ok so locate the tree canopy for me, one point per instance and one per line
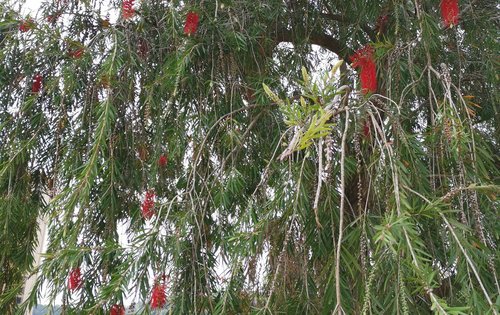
(216, 157)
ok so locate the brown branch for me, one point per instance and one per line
(342, 19)
(316, 38)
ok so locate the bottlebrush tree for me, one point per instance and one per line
(295, 184)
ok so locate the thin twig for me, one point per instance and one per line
(320, 180)
(338, 307)
(469, 260)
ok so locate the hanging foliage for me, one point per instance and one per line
(273, 157)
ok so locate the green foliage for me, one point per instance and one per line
(286, 191)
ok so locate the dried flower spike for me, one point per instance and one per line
(105, 23)
(381, 23)
(117, 310)
(142, 48)
(450, 12)
(191, 25)
(75, 279)
(147, 207)
(36, 85)
(364, 59)
(127, 9)
(158, 296)
(366, 129)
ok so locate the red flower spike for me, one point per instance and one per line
(191, 25)
(364, 59)
(36, 85)
(162, 161)
(76, 53)
(117, 310)
(368, 78)
(26, 25)
(381, 23)
(147, 207)
(75, 279)
(127, 9)
(158, 296)
(449, 12)
(53, 17)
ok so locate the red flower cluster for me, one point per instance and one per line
(191, 25)
(381, 23)
(53, 17)
(449, 12)
(76, 53)
(26, 25)
(162, 161)
(147, 208)
(117, 310)
(36, 85)
(158, 296)
(364, 59)
(127, 9)
(75, 279)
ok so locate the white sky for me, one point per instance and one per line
(31, 7)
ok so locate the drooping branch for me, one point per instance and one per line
(321, 39)
(342, 19)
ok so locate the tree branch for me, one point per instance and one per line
(342, 19)
(316, 38)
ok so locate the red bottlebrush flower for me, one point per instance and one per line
(76, 53)
(158, 296)
(36, 85)
(117, 310)
(191, 25)
(162, 161)
(449, 12)
(53, 17)
(368, 78)
(381, 23)
(147, 207)
(75, 279)
(127, 9)
(364, 59)
(26, 25)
